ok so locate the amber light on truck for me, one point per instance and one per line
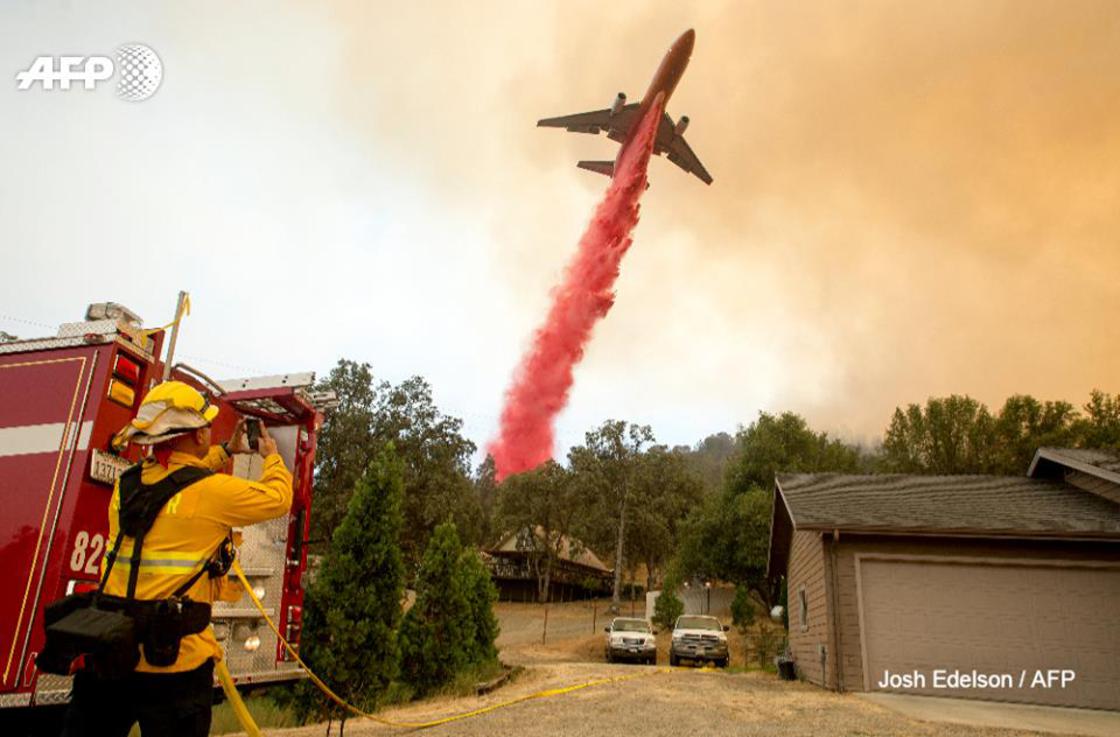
(121, 393)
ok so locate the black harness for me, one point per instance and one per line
(110, 630)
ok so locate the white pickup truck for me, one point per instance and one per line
(631, 639)
(699, 639)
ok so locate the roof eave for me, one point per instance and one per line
(778, 494)
(1056, 456)
(965, 533)
(1038, 456)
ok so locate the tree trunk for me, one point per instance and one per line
(616, 599)
(546, 589)
(535, 568)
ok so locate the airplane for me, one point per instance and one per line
(619, 120)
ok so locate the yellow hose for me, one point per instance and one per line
(405, 725)
(235, 701)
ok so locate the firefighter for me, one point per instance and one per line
(184, 539)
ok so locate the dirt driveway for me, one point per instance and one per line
(659, 702)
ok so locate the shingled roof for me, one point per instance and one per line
(973, 506)
(995, 505)
(570, 550)
(1103, 464)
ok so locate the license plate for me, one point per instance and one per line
(106, 467)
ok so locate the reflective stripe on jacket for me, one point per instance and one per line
(188, 530)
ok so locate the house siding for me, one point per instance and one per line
(807, 570)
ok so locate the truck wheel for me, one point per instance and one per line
(674, 660)
(723, 663)
(610, 658)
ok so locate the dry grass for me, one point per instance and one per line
(669, 703)
(266, 713)
(575, 634)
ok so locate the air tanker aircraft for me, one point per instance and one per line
(620, 119)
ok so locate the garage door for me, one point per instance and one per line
(922, 617)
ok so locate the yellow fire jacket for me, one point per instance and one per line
(186, 533)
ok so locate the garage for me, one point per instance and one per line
(1002, 588)
(920, 616)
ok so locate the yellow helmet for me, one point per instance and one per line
(168, 410)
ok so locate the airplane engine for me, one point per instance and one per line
(681, 125)
(619, 101)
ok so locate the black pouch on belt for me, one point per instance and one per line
(106, 629)
(92, 626)
(107, 637)
(166, 622)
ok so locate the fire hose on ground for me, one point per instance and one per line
(246, 719)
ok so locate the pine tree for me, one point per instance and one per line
(744, 612)
(353, 608)
(481, 595)
(668, 605)
(437, 635)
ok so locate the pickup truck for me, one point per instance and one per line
(699, 639)
(631, 639)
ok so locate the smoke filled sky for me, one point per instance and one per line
(910, 200)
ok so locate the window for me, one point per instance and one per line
(803, 609)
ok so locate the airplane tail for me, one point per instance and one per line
(599, 167)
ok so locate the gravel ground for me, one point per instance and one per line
(658, 702)
(681, 701)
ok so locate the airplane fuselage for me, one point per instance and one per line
(622, 120)
(665, 79)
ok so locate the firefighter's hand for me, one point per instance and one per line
(238, 443)
(266, 446)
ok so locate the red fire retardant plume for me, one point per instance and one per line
(544, 378)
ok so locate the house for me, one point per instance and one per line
(515, 561)
(965, 586)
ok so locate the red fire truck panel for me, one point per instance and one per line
(61, 401)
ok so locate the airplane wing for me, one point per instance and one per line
(599, 167)
(616, 126)
(680, 153)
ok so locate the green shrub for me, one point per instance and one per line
(481, 595)
(744, 611)
(437, 635)
(668, 606)
(352, 609)
(760, 635)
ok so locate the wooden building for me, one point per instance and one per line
(518, 558)
(983, 575)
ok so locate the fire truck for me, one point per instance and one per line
(61, 400)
